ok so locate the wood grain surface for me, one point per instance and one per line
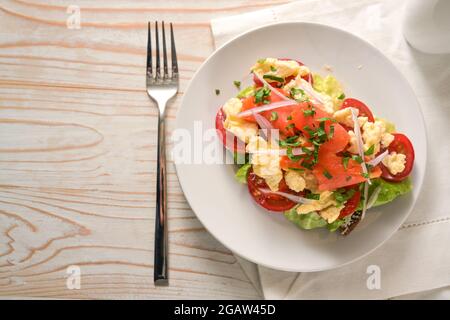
(78, 151)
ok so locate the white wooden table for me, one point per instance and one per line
(78, 150)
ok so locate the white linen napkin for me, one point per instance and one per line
(417, 257)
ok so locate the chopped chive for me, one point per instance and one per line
(307, 165)
(309, 130)
(357, 159)
(370, 151)
(217, 92)
(331, 133)
(309, 112)
(345, 162)
(313, 196)
(316, 154)
(291, 156)
(296, 169)
(237, 84)
(342, 96)
(290, 126)
(295, 91)
(285, 143)
(327, 175)
(273, 69)
(274, 116)
(307, 151)
(272, 77)
(261, 95)
(365, 175)
(327, 119)
(289, 117)
(291, 139)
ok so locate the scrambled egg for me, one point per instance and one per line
(331, 213)
(353, 143)
(325, 207)
(295, 181)
(242, 129)
(326, 200)
(395, 162)
(310, 180)
(279, 68)
(265, 161)
(386, 139)
(344, 116)
(362, 121)
(374, 133)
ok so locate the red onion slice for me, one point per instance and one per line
(266, 127)
(281, 152)
(266, 107)
(366, 191)
(262, 121)
(375, 161)
(292, 197)
(295, 152)
(373, 197)
(306, 86)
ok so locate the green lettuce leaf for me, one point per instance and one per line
(390, 127)
(389, 191)
(241, 174)
(335, 225)
(247, 92)
(305, 221)
(240, 159)
(311, 220)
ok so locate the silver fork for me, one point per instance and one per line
(161, 89)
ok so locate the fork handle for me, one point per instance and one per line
(160, 261)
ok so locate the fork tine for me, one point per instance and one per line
(158, 65)
(149, 51)
(174, 54)
(166, 72)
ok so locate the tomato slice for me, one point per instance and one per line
(364, 110)
(284, 121)
(269, 201)
(400, 144)
(229, 140)
(351, 204)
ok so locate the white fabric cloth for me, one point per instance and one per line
(416, 258)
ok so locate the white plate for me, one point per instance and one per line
(225, 207)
